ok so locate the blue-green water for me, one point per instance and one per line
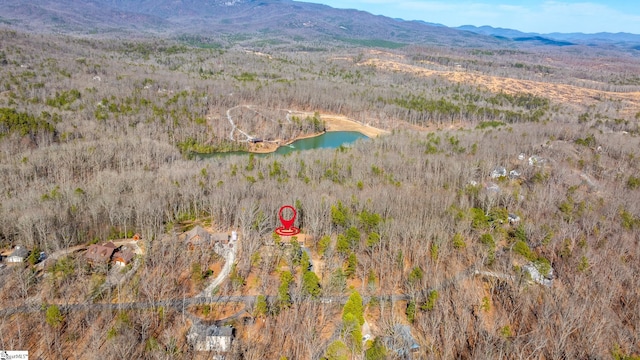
(328, 140)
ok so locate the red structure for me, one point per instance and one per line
(287, 228)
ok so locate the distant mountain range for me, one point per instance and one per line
(265, 18)
(559, 39)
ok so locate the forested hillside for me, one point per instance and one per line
(497, 161)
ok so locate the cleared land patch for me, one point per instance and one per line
(556, 92)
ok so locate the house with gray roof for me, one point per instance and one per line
(19, 254)
(401, 342)
(498, 172)
(210, 338)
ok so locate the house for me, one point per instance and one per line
(100, 254)
(19, 254)
(492, 188)
(536, 276)
(514, 174)
(401, 342)
(535, 160)
(222, 238)
(211, 338)
(123, 257)
(513, 218)
(197, 237)
(498, 172)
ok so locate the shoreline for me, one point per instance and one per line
(333, 123)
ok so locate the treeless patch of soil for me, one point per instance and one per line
(343, 123)
(252, 284)
(216, 267)
(563, 93)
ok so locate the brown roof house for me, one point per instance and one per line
(220, 238)
(100, 254)
(197, 237)
(123, 256)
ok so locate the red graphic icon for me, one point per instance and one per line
(287, 228)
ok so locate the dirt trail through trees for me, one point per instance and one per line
(229, 260)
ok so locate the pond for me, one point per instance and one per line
(328, 140)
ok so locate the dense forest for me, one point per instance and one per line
(497, 161)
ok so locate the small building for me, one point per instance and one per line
(100, 254)
(498, 172)
(123, 257)
(537, 276)
(535, 160)
(222, 238)
(492, 188)
(210, 338)
(513, 218)
(18, 255)
(197, 237)
(401, 342)
(514, 174)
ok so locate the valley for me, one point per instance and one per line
(492, 213)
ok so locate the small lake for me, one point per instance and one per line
(328, 140)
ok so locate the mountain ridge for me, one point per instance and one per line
(278, 18)
(576, 37)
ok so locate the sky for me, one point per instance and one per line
(566, 16)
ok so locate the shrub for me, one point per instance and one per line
(415, 275)
(377, 351)
(521, 247)
(53, 316)
(431, 300)
(458, 242)
(633, 182)
(489, 124)
(487, 239)
(411, 311)
(588, 141)
(479, 220)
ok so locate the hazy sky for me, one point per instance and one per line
(588, 16)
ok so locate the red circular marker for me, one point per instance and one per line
(287, 224)
(287, 228)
